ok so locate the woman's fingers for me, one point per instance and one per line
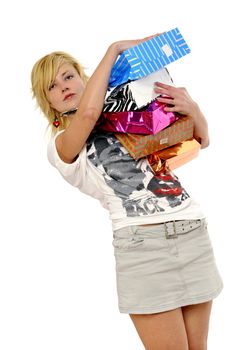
(164, 89)
(176, 99)
(169, 101)
(148, 37)
(162, 85)
(126, 44)
(152, 36)
(173, 109)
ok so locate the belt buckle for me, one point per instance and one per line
(173, 235)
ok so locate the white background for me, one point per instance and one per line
(57, 278)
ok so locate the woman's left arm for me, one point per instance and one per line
(180, 101)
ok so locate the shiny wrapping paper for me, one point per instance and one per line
(134, 95)
(174, 156)
(140, 146)
(149, 121)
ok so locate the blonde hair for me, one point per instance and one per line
(43, 73)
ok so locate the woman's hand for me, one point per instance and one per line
(178, 100)
(122, 45)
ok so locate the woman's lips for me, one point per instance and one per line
(68, 96)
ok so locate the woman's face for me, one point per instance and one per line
(65, 91)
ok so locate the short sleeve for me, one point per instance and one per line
(75, 172)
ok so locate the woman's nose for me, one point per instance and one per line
(64, 88)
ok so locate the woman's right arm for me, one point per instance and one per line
(70, 142)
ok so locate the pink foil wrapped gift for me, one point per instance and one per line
(149, 121)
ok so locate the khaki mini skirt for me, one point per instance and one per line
(164, 266)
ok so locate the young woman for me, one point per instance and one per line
(165, 265)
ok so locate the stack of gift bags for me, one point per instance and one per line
(131, 109)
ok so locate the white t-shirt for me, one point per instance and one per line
(127, 188)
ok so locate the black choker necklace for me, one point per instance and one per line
(67, 113)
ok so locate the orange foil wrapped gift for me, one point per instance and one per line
(175, 156)
(140, 146)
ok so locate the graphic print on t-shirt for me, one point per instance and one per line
(133, 181)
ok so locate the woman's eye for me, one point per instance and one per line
(52, 86)
(70, 76)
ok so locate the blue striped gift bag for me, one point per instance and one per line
(149, 56)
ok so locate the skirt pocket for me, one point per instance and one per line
(126, 239)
